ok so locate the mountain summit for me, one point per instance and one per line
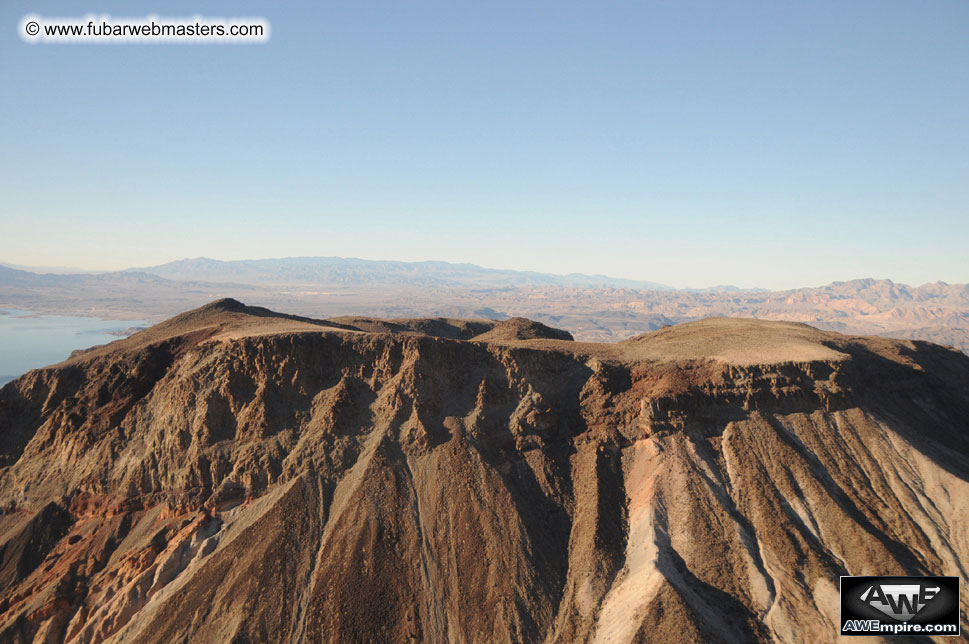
(240, 475)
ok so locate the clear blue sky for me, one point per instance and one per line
(764, 143)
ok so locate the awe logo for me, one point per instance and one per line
(901, 601)
(900, 606)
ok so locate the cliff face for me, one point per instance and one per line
(235, 475)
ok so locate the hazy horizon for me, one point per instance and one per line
(67, 270)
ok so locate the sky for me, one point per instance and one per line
(761, 144)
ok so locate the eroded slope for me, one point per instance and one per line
(237, 475)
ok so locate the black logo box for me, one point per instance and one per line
(942, 608)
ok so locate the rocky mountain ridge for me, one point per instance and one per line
(239, 475)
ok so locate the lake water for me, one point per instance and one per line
(28, 340)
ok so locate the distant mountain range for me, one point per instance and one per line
(591, 307)
(348, 270)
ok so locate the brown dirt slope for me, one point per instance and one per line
(238, 475)
(522, 329)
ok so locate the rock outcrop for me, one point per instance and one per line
(236, 475)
